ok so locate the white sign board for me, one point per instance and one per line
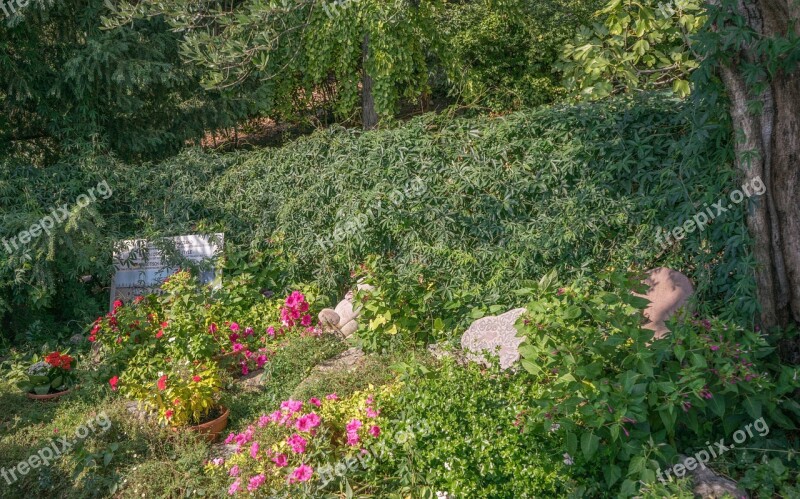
(142, 267)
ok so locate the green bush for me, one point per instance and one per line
(624, 403)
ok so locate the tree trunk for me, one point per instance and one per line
(369, 118)
(773, 134)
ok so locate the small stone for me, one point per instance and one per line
(329, 318)
(495, 334)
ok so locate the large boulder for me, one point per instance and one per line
(496, 335)
(668, 291)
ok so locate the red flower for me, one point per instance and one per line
(177, 402)
(168, 414)
(117, 304)
(92, 339)
(164, 324)
(160, 333)
(196, 379)
(162, 383)
(114, 382)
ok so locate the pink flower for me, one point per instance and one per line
(307, 422)
(375, 431)
(306, 321)
(218, 461)
(197, 379)
(248, 331)
(331, 396)
(212, 328)
(271, 331)
(245, 369)
(292, 405)
(714, 348)
(315, 401)
(301, 474)
(280, 460)
(297, 443)
(352, 438)
(260, 361)
(233, 337)
(254, 450)
(263, 421)
(234, 488)
(353, 425)
(234, 327)
(168, 414)
(256, 482)
(372, 413)
(234, 471)
(230, 438)
(238, 347)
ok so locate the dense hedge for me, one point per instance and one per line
(484, 204)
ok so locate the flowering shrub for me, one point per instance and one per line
(618, 397)
(52, 375)
(185, 395)
(294, 443)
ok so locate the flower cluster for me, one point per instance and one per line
(244, 344)
(294, 311)
(289, 444)
(59, 361)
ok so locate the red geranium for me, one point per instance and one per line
(162, 383)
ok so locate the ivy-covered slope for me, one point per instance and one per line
(478, 205)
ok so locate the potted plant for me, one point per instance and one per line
(50, 378)
(186, 397)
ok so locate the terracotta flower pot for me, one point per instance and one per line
(212, 429)
(49, 396)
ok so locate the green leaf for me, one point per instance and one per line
(589, 444)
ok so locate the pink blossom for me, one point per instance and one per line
(271, 331)
(372, 413)
(375, 431)
(353, 425)
(352, 438)
(263, 421)
(230, 438)
(714, 348)
(292, 405)
(302, 473)
(254, 450)
(234, 326)
(260, 361)
(256, 482)
(307, 422)
(280, 460)
(248, 331)
(234, 471)
(331, 396)
(238, 347)
(234, 488)
(306, 321)
(245, 369)
(218, 461)
(233, 337)
(297, 443)
(315, 401)
(212, 328)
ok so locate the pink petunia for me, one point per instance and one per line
(353, 425)
(234, 471)
(238, 347)
(308, 422)
(352, 438)
(260, 361)
(212, 328)
(254, 450)
(292, 405)
(331, 396)
(271, 331)
(306, 321)
(297, 443)
(280, 460)
(302, 473)
(315, 401)
(234, 488)
(234, 327)
(248, 331)
(256, 482)
(375, 431)
(372, 413)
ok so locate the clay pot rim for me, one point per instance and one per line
(49, 396)
(225, 413)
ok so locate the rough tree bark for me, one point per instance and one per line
(773, 133)
(369, 118)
